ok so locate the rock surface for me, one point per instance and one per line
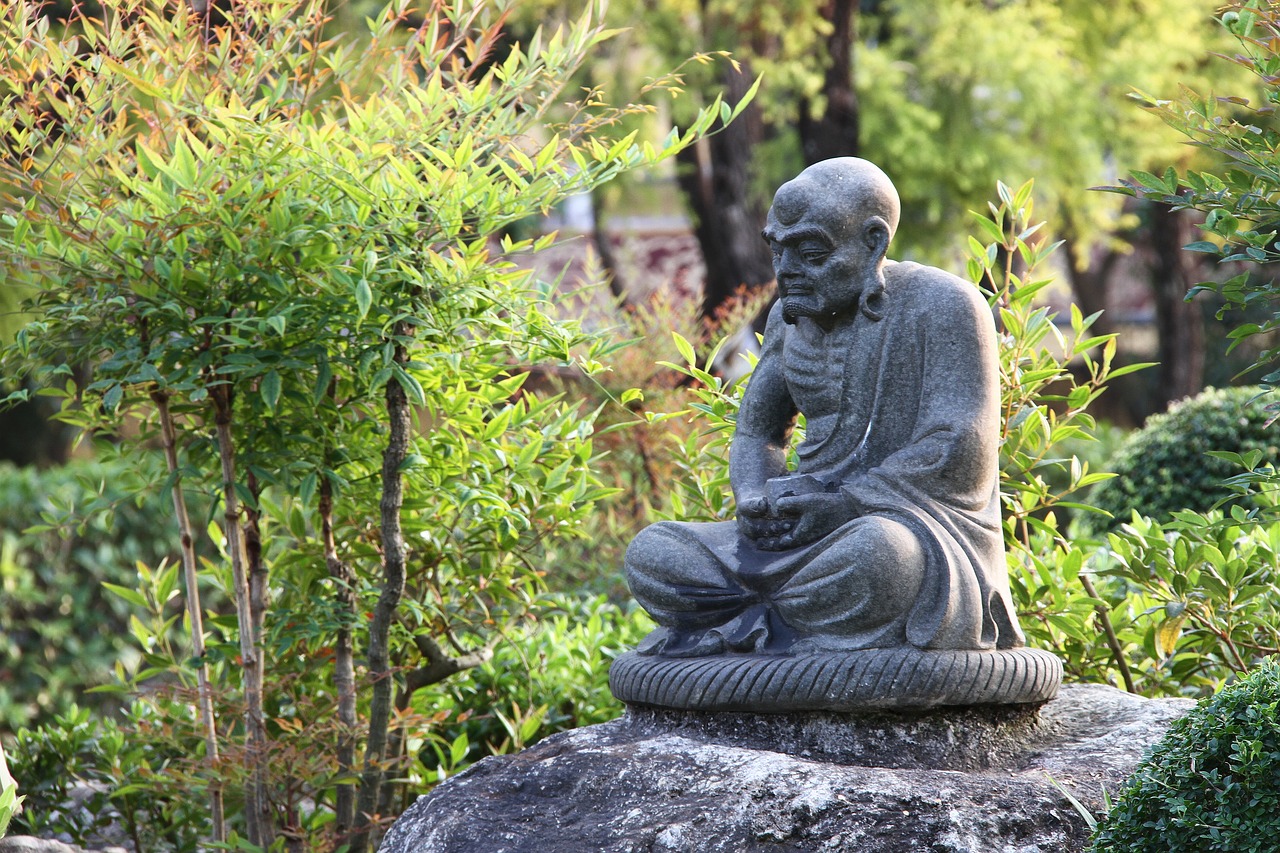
(31, 844)
(972, 780)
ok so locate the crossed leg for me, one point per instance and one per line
(711, 589)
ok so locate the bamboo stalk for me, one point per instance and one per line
(168, 439)
(258, 824)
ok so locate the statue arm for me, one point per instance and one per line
(765, 419)
(953, 450)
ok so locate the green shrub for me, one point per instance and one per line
(87, 777)
(550, 677)
(63, 533)
(1212, 783)
(1164, 467)
(95, 777)
(1199, 591)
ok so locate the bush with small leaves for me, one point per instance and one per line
(280, 250)
(65, 532)
(1212, 783)
(1165, 466)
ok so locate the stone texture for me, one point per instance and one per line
(974, 780)
(31, 844)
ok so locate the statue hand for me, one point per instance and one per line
(814, 516)
(752, 512)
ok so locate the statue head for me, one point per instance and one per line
(829, 229)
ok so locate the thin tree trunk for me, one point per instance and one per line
(715, 177)
(399, 422)
(344, 670)
(258, 824)
(1179, 323)
(604, 248)
(168, 439)
(1091, 279)
(835, 132)
(256, 572)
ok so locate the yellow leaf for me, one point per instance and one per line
(1167, 634)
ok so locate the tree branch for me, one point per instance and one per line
(440, 664)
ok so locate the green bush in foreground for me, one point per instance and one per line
(88, 775)
(1164, 467)
(1212, 783)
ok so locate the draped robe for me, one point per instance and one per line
(902, 418)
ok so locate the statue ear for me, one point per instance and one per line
(875, 234)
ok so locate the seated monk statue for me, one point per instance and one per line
(887, 533)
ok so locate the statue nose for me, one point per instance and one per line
(785, 266)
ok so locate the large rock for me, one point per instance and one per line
(976, 780)
(31, 844)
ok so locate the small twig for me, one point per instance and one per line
(1104, 619)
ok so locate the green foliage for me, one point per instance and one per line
(10, 803)
(84, 773)
(1206, 584)
(1169, 465)
(550, 675)
(1213, 781)
(646, 437)
(949, 120)
(1239, 198)
(63, 533)
(88, 778)
(275, 250)
(1044, 411)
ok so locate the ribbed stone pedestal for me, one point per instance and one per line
(837, 681)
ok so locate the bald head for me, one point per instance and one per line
(829, 230)
(842, 193)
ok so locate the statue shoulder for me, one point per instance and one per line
(936, 291)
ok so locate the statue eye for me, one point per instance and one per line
(814, 252)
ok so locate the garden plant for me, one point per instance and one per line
(1170, 465)
(278, 254)
(1210, 784)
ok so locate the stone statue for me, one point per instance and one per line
(882, 550)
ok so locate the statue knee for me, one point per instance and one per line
(895, 544)
(871, 577)
(665, 569)
(651, 549)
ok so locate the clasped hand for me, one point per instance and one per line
(793, 520)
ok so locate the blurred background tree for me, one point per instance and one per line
(949, 97)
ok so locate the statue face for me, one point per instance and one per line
(821, 256)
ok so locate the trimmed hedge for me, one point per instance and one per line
(1163, 467)
(1212, 783)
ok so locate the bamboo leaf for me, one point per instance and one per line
(364, 298)
(270, 390)
(130, 595)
